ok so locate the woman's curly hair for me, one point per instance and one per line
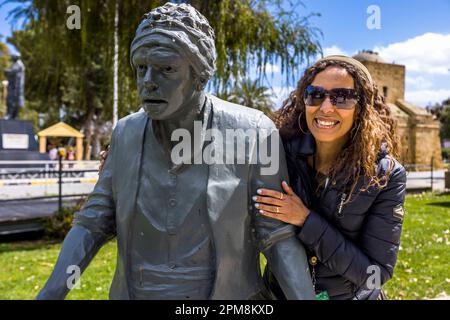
(372, 134)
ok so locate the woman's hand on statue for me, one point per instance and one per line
(286, 207)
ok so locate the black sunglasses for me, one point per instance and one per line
(341, 98)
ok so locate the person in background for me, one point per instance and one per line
(62, 152)
(71, 154)
(53, 152)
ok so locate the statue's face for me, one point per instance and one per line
(164, 80)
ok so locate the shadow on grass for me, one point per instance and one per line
(439, 204)
(24, 242)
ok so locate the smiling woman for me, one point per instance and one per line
(347, 190)
(327, 124)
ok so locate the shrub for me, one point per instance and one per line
(57, 226)
(445, 153)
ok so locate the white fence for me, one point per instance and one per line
(31, 179)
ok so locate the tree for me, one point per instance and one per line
(74, 68)
(4, 59)
(442, 113)
(445, 122)
(4, 63)
(250, 94)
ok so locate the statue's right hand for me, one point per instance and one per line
(103, 156)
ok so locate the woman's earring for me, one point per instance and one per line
(300, 123)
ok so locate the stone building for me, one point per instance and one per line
(418, 130)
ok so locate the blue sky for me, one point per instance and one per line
(415, 33)
(5, 25)
(344, 22)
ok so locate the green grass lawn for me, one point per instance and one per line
(423, 265)
(25, 266)
(422, 270)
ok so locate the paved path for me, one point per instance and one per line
(34, 209)
(27, 216)
(422, 180)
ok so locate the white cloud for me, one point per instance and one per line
(272, 68)
(427, 53)
(334, 50)
(419, 82)
(427, 96)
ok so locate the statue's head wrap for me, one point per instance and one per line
(186, 30)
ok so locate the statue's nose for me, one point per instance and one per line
(151, 85)
(149, 80)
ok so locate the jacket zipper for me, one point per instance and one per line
(341, 205)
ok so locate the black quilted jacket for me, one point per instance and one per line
(353, 241)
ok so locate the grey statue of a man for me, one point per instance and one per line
(16, 87)
(184, 231)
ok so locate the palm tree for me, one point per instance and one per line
(251, 94)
